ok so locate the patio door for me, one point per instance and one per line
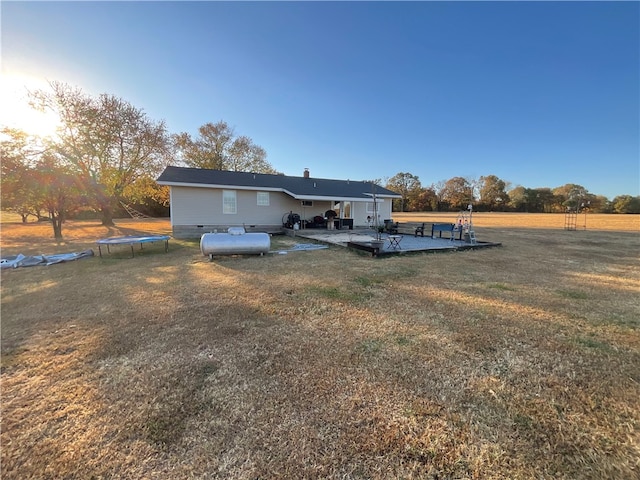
(346, 210)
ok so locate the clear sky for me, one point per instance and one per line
(540, 94)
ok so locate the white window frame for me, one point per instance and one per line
(229, 202)
(262, 199)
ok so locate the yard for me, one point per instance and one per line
(515, 362)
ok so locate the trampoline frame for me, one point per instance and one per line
(132, 240)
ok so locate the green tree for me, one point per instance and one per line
(107, 141)
(601, 204)
(517, 198)
(146, 193)
(626, 204)
(544, 200)
(216, 147)
(426, 200)
(493, 193)
(527, 199)
(458, 193)
(536, 198)
(405, 184)
(571, 196)
(19, 190)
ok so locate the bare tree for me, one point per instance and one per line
(216, 147)
(438, 189)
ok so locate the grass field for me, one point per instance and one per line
(592, 221)
(515, 362)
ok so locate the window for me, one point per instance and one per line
(263, 199)
(229, 201)
(307, 203)
(370, 206)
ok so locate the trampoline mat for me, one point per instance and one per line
(132, 239)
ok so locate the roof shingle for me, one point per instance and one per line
(298, 187)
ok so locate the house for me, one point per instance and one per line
(208, 200)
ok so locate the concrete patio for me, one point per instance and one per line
(361, 239)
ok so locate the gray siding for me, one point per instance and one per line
(195, 206)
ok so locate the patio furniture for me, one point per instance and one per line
(394, 242)
(391, 227)
(443, 227)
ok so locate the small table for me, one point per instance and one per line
(394, 241)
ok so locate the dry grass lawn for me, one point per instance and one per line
(592, 221)
(515, 362)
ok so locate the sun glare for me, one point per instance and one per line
(15, 111)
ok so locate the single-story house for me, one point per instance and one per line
(213, 200)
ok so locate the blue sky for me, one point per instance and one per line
(540, 94)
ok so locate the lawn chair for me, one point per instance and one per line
(419, 230)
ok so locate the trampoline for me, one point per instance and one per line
(132, 240)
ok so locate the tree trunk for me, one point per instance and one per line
(107, 216)
(56, 221)
(105, 204)
(24, 217)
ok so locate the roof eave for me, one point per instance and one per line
(298, 196)
(382, 195)
(220, 186)
(331, 198)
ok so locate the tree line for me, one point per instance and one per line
(492, 194)
(107, 153)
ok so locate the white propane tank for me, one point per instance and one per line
(235, 244)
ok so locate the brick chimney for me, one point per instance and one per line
(306, 173)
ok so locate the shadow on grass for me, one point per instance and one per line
(315, 364)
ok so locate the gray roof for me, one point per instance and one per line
(297, 187)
